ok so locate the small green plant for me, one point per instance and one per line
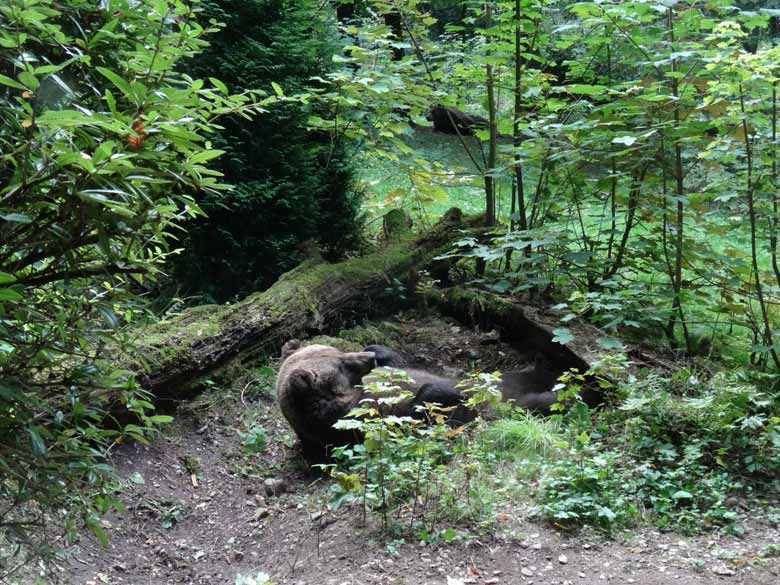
(443, 535)
(255, 439)
(524, 436)
(771, 550)
(260, 385)
(399, 471)
(168, 510)
(482, 389)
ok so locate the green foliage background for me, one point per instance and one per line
(291, 185)
(102, 135)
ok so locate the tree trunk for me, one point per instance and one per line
(315, 297)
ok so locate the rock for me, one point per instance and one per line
(262, 513)
(490, 338)
(723, 571)
(562, 559)
(527, 572)
(275, 487)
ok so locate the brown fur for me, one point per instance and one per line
(317, 386)
(531, 387)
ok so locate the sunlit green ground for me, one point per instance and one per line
(455, 179)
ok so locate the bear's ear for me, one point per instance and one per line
(301, 379)
(290, 348)
(360, 362)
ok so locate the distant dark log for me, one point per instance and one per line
(314, 298)
(454, 121)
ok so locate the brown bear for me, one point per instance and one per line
(317, 385)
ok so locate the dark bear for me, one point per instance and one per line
(317, 386)
(385, 356)
(531, 387)
(422, 387)
(447, 396)
(449, 120)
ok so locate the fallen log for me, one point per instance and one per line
(530, 328)
(449, 120)
(314, 298)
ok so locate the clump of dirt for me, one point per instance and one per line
(224, 492)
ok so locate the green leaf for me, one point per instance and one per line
(682, 495)
(16, 217)
(562, 336)
(610, 343)
(627, 140)
(29, 80)
(348, 424)
(159, 419)
(8, 294)
(5, 278)
(120, 83)
(219, 85)
(98, 531)
(11, 82)
(278, 89)
(205, 155)
(36, 442)
(583, 89)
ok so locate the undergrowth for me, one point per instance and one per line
(680, 452)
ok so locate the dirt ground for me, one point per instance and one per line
(201, 510)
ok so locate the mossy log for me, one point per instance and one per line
(526, 327)
(316, 297)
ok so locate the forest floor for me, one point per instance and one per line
(201, 509)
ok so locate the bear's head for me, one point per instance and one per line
(318, 385)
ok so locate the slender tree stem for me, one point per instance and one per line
(490, 180)
(677, 308)
(767, 335)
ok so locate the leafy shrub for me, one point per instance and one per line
(677, 458)
(588, 492)
(101, 137)
(398, 461)
(255, 439)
